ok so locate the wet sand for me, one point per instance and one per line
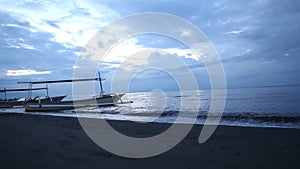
(32, 141)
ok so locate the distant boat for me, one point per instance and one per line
(19, 102)
(98, 100)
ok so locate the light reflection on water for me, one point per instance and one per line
(261, 107)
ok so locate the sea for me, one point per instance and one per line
(255, 107)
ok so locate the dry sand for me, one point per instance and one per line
(32, 141)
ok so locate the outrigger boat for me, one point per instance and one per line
(104, 100)
(19, 102)
(98, 100)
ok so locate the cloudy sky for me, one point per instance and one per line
(258, 41)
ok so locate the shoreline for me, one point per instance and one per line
(56, 142)
(293, 122)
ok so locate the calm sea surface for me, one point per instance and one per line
(261, 107)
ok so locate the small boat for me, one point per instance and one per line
(98, 100)
(19, 102)
(10, 103)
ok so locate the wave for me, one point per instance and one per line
(227, 116)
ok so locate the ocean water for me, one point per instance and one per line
(258, 107)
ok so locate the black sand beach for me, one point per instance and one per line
(32, 141)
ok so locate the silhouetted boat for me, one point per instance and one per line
(18, 102)
(98, 100)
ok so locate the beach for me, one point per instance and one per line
(35, 141)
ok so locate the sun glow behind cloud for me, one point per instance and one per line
(125, 50)
(69, 25)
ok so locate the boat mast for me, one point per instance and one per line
(5, 94)
(29, 90)
(47, 90)
(100, 82)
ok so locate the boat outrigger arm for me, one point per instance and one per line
(65, 81)
(61, 81)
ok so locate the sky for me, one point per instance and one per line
(257, 41)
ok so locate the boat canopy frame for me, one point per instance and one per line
(22, 90)
(30, 83)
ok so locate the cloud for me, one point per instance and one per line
(37, 34)
(129, 52)
(73, 25)
(254, 39)
(236, 32)
(25, 72)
